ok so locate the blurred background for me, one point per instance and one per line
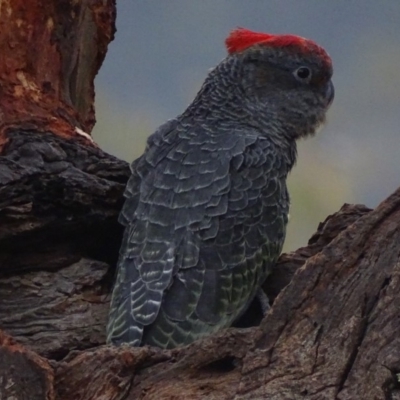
(163, 50)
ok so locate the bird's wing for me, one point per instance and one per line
(234, 250)
(178, 190)
(250, 234)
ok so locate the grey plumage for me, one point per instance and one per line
(205, 214)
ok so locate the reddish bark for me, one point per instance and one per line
(24, 375)
(332, 332)
(50, 53)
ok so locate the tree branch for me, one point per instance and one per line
(331, 333)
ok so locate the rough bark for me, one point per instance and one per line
(50, 53)
(332, 332)
(23, 374)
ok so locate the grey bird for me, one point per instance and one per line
(207, 204)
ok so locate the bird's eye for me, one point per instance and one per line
(303, 74)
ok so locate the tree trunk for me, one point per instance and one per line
(332, 332)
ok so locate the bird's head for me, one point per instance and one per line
(284, 77)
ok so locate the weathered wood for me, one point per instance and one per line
(209, 369)
(23, 374)
(50, 53)
(54, 312)
(59, 197)
(332, 332)
(59, 203)
(288, 264)
(84, 377)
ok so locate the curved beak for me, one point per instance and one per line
(329, 93)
